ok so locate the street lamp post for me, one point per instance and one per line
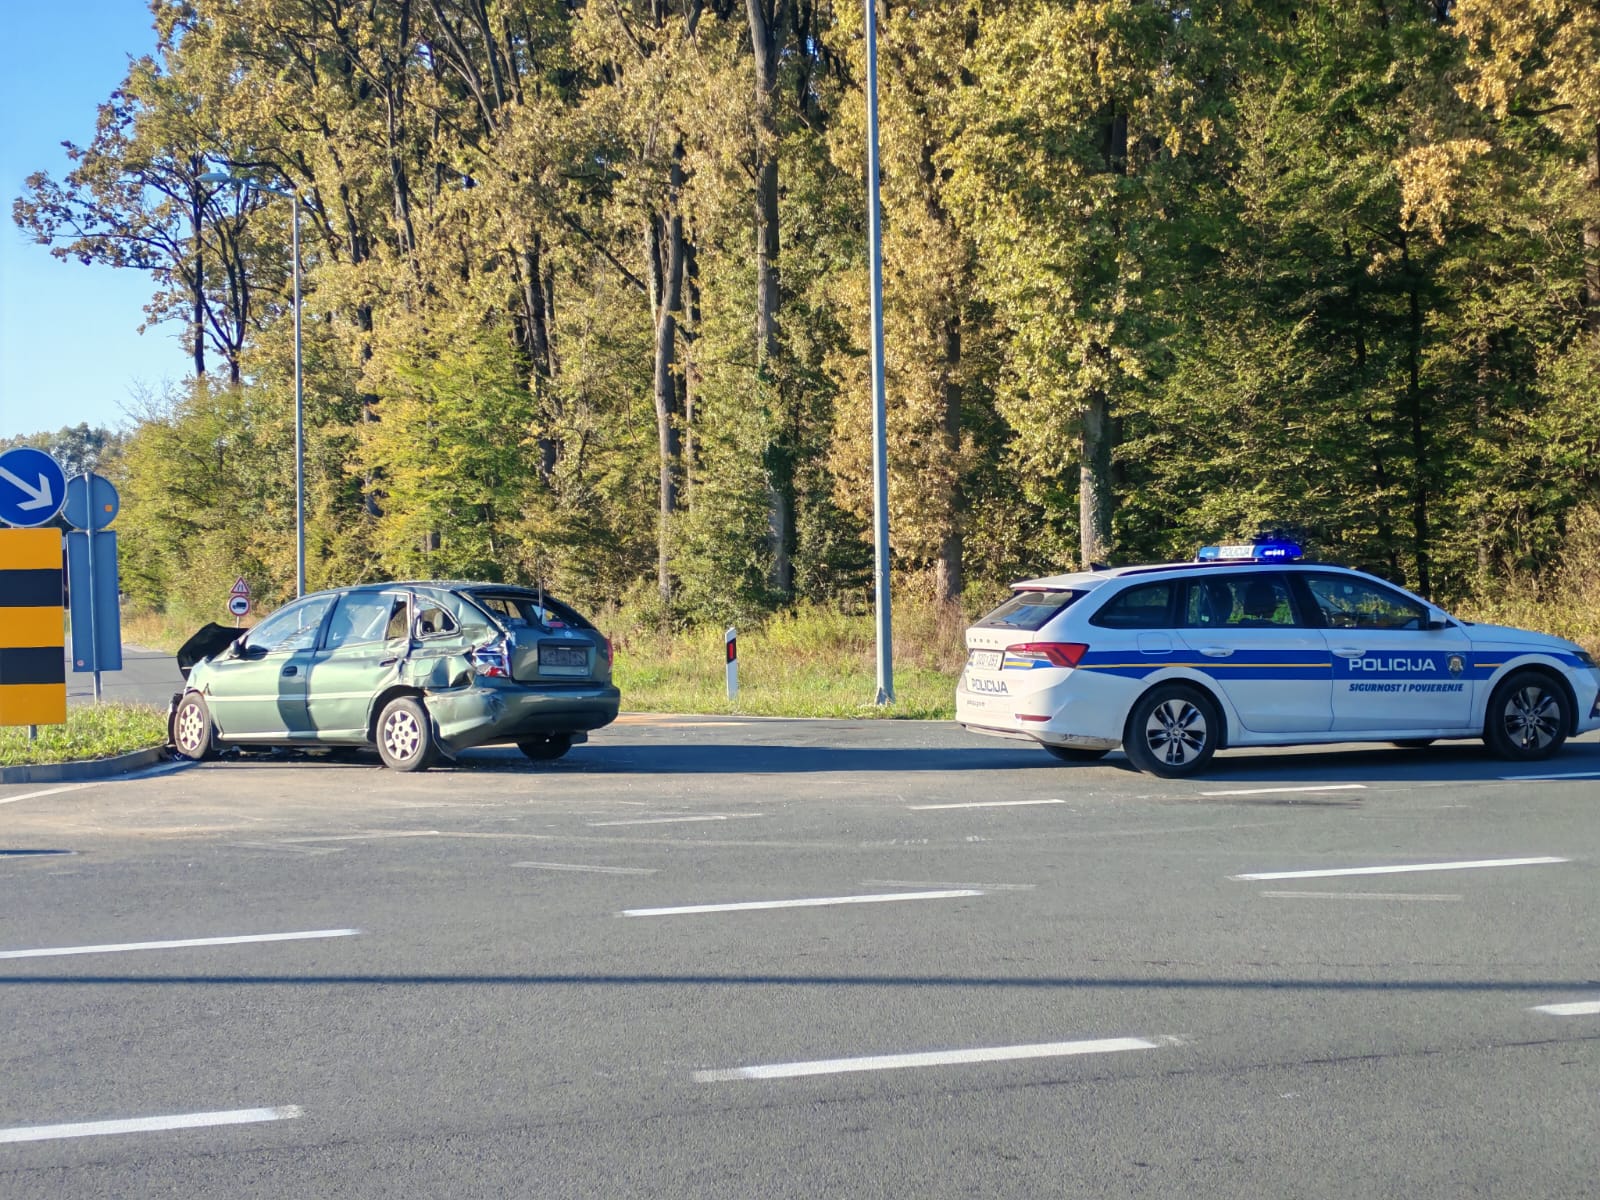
(880, 452)
(299, 388)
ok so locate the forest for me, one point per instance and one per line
(586, 296)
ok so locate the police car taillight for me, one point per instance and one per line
(1057, 654)
(1264, 550)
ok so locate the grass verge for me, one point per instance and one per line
(92, 731)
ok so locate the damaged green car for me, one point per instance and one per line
(418, 670)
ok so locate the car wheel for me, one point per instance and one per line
(405, 736)
(1075, 753)
(193, 735)
(1172, 731)
(1413, 743)
(545, 749)
(1527, 717)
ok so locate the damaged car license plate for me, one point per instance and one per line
(563, 660)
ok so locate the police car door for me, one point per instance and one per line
(1390, 671)
(1248, 633)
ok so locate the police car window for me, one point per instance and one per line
(294, 628)
(1148, 606)
(1238, 602)
(1029, 609)
(1347, 602)
(364, 618)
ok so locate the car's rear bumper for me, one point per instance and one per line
(477, 716)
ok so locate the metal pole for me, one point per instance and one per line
(94, 631)
(880, 453)
(299, 420)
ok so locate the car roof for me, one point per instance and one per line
(1087, 580)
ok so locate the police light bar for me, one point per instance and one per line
(1267, 550)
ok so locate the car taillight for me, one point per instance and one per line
(491, 661)
(1057, 654)
(605, 644)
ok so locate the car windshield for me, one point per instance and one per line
(1029, 609)
(292, 628)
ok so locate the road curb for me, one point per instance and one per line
(99, 768)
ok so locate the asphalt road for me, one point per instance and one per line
(1048, 979)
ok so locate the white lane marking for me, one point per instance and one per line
(880, 898)
(1582, 1008)
(676, 820)
(237, 1116)
(981, 804)
(1568, 775)
(1271, 791)
(948, 883)
(1401, 870)
(365, 837)
(550, 866)
(61, 951)
(932, 1058)
(56, 791)
(1362, 895)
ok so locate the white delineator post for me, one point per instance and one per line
(733, 664)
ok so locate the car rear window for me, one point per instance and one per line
(1029, 609)
(518, 610)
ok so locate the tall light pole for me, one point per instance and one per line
(880, 451)
(247, 181)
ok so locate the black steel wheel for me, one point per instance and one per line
(1172, 731)
(194, 736)
(545, 747)
(1527, 718)
(1078, 754)
(406, 740)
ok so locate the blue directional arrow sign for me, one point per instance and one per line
(32, 487)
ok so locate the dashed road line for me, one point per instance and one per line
(77, 1129)
(981, 804)
(947, 883)
(675, 820)
(55, 791)
(1403, 869)
(551, 866)
(1273, 791)
(63, 951)
(819, 902)
(1581, 1008)
(933, 1058)
(1437, 896)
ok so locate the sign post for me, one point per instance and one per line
(239, 598)
(92, 590)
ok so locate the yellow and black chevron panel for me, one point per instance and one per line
(33, 668)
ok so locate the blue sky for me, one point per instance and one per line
(68, 347)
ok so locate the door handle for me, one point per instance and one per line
(1217, 651)
(291, 669)
(1348, 652)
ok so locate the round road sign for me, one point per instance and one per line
(238, 605)
(32, 487)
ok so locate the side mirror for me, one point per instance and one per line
(236, 648)
(1437, 620)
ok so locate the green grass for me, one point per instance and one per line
(92, 731)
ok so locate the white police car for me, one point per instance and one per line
(1250, 646)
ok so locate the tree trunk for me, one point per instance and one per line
(1418, 418)
(1591, 240)
(667, 268)
(948, 580)
(1094, 479)
(767, 22)
(197, 231)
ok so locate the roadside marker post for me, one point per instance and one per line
(93, 590)
(33, 670)
(732, 637)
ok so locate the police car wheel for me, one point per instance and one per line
(193, 734)
(405, 736)
(1075, 753)
(1172, 731)
(1527, 717)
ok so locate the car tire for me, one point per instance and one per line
(545, 748)
(194, 734)
(1414, 743)
(1172, 731)
(1527, 718)
(1077, 754)
(405, 736)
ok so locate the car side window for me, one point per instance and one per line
(433, 621)
(1147, 606)
(363, 618)
(1238, 602)
(1348, 602)
(292, 628)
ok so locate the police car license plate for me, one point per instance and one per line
(563, 660)
(984, 660)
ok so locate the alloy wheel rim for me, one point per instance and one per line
(1532, 718)
(1176, 732)
(189, 728)
(401, 735)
